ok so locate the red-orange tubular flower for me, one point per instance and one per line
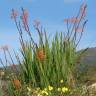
(17, 83)
(72, 20)
(14, 14)
(40, 54)
(66, 20)
(36, 22)
(4, 47)
(13, 66)
(83, 10)
(79, 29)
(24, 16)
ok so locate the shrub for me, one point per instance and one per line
(44, 65)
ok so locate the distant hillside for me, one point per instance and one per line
(89, 57)
(88, 66)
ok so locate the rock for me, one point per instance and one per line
(92, 89)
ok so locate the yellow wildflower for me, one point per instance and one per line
(45, 89)
(59, 89)
(39, 95)
(64, 89)
(38, 88)
(50, 88)
(44, 92)
(29, 89)
(61, 81)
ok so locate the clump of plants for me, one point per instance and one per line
(46, 69)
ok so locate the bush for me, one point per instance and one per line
(46, 68)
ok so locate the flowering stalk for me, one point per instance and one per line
(76, 21)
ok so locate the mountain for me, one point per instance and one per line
(89, 57)
(87, 66)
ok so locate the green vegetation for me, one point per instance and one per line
(47, 69)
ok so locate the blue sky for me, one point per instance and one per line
(51, 13)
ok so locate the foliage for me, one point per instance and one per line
(46, 68)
